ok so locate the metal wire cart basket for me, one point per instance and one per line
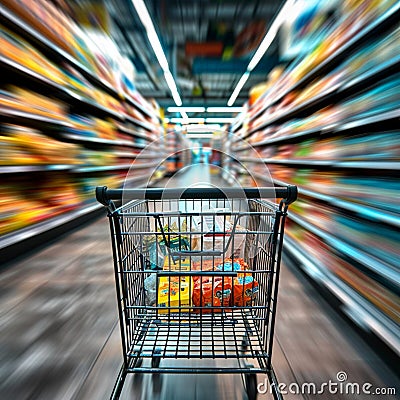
(197, 273)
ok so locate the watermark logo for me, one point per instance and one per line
(341, 376)
(341, 385)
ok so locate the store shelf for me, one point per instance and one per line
(144, 165)
(18, 169)
(346, 84)
(374, 120)
(363, 210)
(287, 162)
(377, 266)
(361, 81)
(136, 122)
(356, 306)
(21, 70)
(354, 126)
(30, 119)
(44, 84)
(95, 140)
(333, 94)
(87, 105)
(124, 154)
(309, 106)
(41, 227)
(366, 164)
(102, 168)
(138, 106)
(151, 156)
(369, 31)
(371, 165)
(133, 133)
(237, 126)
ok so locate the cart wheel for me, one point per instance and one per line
(155, 360)
(251, 386)
(245, 343)
(139, 362)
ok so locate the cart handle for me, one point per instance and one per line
(288, 193)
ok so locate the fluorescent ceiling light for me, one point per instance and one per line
(186, 109)
(184, 115)
(166, 120)
(173, 88)
(238, 88)
(203, 128)
(225, 109)
(199, 135)
(284, 13)
(144, 16)
(186, 120)
(219, 119)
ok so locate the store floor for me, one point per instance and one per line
(60, 337)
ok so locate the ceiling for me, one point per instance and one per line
(208, 45)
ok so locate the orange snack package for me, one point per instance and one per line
(212, 293)
(245, 291)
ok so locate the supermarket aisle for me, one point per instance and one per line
(60, 338)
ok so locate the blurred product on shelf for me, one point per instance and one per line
(25, 146)
(16, 98)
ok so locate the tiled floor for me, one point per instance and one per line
(60, 337)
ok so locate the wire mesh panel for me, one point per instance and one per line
(197, 278)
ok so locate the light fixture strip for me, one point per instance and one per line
(238, 88)
(264, 45)
(186, 120)
(184, 115)
(219, 119)
(186, 109)
(145, 18)
(225, 109)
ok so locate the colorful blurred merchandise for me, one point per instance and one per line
(48, 197)
(91, 127)
(87, 184)
(319, 42)
(26, 146)
(46, 18)
(14, 48)
(377, 192)
(358, 233)
(16, 98)
(78, 84)
(378, 294)
(98, 158)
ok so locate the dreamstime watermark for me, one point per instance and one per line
(340, 386)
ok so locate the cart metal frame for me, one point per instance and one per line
(226, 330)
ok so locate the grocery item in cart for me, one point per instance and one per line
(168, 242)
(220, 232)
(174, 291)
(212, 292)
(245, 289)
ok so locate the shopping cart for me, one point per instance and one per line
(197, 273)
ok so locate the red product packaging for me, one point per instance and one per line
(212, 293)
(245, 291)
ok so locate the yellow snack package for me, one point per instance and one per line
(174, 291)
